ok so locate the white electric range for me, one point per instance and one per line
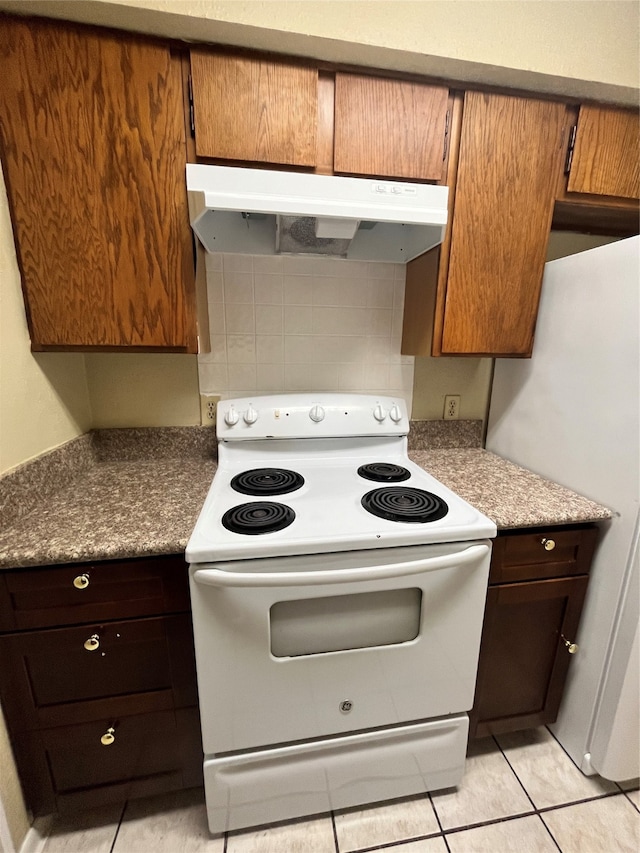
(338, 594)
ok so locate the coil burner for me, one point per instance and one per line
(267, 481)
(259, 517)
(401, 503)
(384, 472)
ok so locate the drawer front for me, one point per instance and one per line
(81, 592)
(69, 768)
(143, 745)
(542, 554)
(62, 675)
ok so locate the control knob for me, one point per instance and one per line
(395, 414)
(231, 417)
(379, 413)
(317, 413)
(250, 416)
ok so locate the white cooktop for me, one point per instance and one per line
(328, 511)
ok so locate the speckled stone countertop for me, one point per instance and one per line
(115, 494)
(510, 495)
(110, 495)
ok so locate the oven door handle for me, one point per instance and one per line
(218, 577)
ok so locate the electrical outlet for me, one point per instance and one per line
(208, 403)
(451, 407)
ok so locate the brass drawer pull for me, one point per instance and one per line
(549, 544)
(92, 643)
(572, 648)
(82, 581)
(108, 737)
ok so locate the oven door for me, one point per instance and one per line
(302, 647)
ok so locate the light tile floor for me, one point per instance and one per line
(520, 793)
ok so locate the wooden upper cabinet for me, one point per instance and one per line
(254, 109)
(94, 153)
(389, 128)
(510, 155)
(606, 154)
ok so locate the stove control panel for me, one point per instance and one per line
(311, 416)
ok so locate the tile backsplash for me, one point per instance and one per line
(295, 323)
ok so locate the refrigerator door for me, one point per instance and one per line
(615, 742)
(571, 414)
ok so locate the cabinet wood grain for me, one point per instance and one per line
(389, 128)
(606, 155)
(510, 154)
(254, 109)
(93, 148)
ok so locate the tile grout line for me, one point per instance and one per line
(617, 784)
(332, 815)
(435, 811)
(542, 809)
(389, 845)
(549, 833)
(606, 796)
(520, 782)
(626, 794)
(443, 833)
(115, 837)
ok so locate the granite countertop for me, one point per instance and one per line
(510, 495)
(124, 493)
(115, 494)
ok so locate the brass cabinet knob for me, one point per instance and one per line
(549, 544)
(108, 737)
(572, 648)
(92, 643)
(82, 581)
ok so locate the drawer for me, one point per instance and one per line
(543, 553)
(69, 767)
(81, 592)
(50, 677)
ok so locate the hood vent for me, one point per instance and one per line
(302, 235)
(260, 212)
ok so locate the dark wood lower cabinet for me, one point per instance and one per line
(100, 711)
(537, 586)
(107, 649)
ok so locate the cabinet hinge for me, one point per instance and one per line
(572, 143)
(192, 118)
(446, 135)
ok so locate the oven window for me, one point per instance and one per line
(312, 626)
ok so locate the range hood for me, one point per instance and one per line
(261, 212)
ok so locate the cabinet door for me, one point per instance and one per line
(523, 659)
(605, 157)
(389, 128)
(510, 155)
(94, 154)
(254, 109)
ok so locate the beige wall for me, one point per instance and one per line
(147, 389)
(436, 377)
(563, 243)
(585, 48)
(44, 399)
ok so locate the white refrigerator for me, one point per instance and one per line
(571, 414)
